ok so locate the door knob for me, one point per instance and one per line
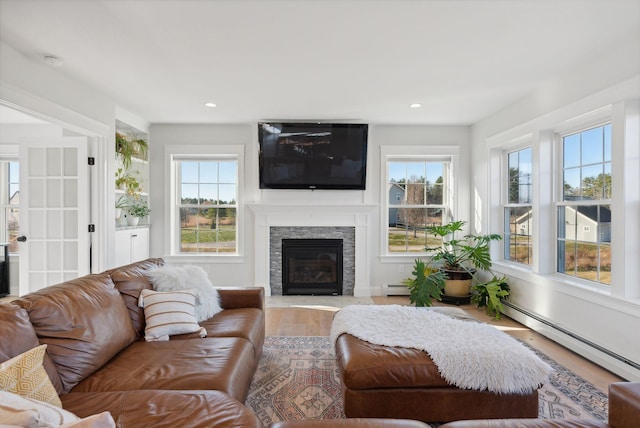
(21, 238)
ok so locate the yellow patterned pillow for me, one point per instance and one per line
(24, 375)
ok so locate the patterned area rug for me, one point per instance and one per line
(297, 378)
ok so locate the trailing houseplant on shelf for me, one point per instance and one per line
(128, 147)
(460, 258)
(128, 182)
(426, 284)
(135, 210)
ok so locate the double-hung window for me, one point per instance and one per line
(518, 214)
(206, 205)
(10, 203)
(417, 192)
(584, 206)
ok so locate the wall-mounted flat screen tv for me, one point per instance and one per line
(312, 155)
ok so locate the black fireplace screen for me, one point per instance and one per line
(312, 266)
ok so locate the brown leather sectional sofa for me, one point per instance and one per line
(98, 360)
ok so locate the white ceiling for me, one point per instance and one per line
(352, 60)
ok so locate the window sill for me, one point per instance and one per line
(402, 258)
(209, 258)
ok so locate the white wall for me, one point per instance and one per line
(610, 319)
(382, 270)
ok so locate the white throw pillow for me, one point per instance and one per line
(169, 313)
(167, 278)
(208, 303)
(26, 412)
(174, 278)
(101, 420)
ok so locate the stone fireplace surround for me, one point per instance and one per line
(352, 223)
(277, 234)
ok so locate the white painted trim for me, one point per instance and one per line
(99, 135)
(431, 153)
(361, 217)
(175, 152)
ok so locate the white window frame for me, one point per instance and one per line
(7, 154)
(507, 204)
(426, 153)
(558, 200)
(202, 153)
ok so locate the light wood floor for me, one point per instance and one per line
(317, 322)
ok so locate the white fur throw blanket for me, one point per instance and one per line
(469, 355)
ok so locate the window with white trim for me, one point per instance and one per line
(417, 197)
(10, 170)
(206, 204)
(518, 212)
(584, 206)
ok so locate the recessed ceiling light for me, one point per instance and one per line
(210, 105)
(415, 105)
(53, 60)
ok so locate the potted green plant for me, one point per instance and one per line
(135, 210)
(490, 294)
(120, 204)
(128, 182)
(129, 147)
(426, 284)
(460, 257)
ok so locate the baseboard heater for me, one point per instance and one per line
(395, 290)
(573, 335)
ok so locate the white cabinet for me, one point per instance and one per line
(132, 245)
(131, 239)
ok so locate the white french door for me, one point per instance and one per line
(54, 211)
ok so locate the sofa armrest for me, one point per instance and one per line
(624, 404)
(244, 297)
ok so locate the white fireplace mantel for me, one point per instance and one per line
(361, 217)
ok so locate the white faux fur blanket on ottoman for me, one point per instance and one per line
(469, 355)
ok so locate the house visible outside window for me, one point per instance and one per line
(518, 208)
(207, 205)
(584, 211)
(11, 203)
(416, 195)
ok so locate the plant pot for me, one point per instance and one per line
(133, 221)
(118, 213)
(458, 283)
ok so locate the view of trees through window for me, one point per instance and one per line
(416, 192)
(584, 213)
(11, 202)
(518, 214)
(207, 206)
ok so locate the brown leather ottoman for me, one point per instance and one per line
(359, 423)
(387, 382)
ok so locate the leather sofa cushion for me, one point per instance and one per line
(527, 423)
(83, 321)
(365, 365)
(247, 323)
(158, 409)
(130, 280)
(351, 422)
(18, 336)
(223, 364)
(624, 404)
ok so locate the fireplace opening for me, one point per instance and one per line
(312, 267)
